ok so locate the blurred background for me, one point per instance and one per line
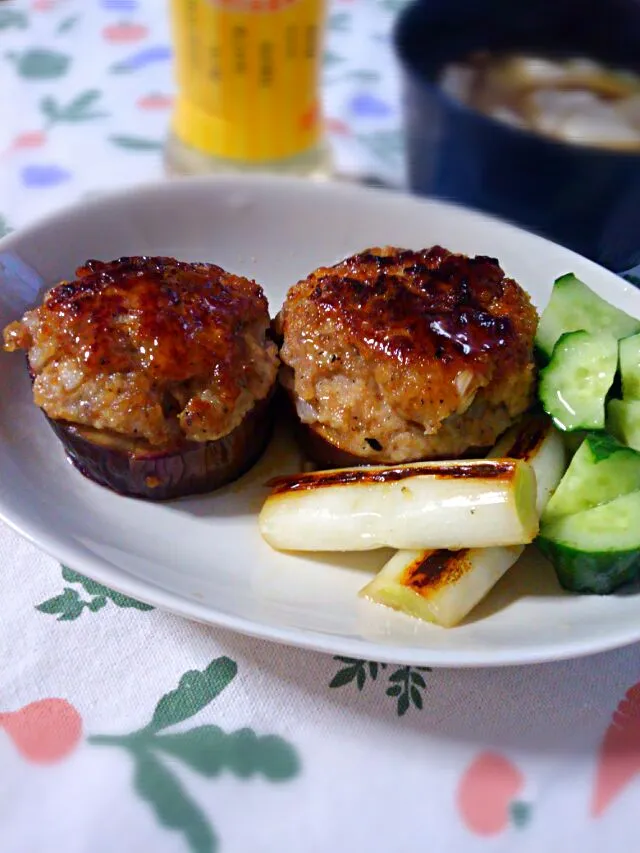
(87, 93)
(527, 111)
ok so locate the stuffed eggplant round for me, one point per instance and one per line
(155, 374)
(395, 356)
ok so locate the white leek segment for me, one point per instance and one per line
(425, 505)
(538, 442)
(444, 586)
(440, 586)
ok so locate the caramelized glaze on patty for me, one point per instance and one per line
(394, 355)
(153, 348)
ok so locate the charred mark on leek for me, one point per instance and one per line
(526, 442)
(499, 469)
(438, 568)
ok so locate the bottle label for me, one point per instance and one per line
(248, 75)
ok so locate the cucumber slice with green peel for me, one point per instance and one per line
(574, 385)
(574, 306)
(630, 367)
(597, 550)
(601, 470)
(623, 421)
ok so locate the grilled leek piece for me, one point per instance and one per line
(444, 586)
(425, 505)
(538, 442)
(440, 586)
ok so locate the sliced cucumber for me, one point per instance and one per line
(574, 306)
(623, 421)
(630, 367)
(574, 385)
(600, 471)
(597, 550)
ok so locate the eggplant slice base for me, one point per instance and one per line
(161, 475)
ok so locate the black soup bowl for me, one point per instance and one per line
(585, 198)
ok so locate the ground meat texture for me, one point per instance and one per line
(394, 355)
(150, 348)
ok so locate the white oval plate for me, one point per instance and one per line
(203, 557)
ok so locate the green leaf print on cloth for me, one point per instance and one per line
(136, 143)
(356, 670)
(206, 750)
(193, 693)
(13, 18)
(67, 24)
(386, 145)
(40, 64)
(520, 813)
(406, 685)
(393, 6)
(171, 804)
(331, 58)
(69, 605)
(339, 22)
(81, 108)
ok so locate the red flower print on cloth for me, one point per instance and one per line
(155, 101)
(619, 757)
(44, 731)
(29, 139)
(337, 126)
(486, 794)
(124, 33)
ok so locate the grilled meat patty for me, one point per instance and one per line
(395, 356)
(152, 349)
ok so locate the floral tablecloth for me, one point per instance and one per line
(126, 729)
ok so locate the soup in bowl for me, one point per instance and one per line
(530, 112)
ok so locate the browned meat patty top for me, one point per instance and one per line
(416, 307)
(388, 346)
(153, 348)
(170, 318)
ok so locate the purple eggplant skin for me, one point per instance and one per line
(189, 469)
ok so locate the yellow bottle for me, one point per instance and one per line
(248, 87)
